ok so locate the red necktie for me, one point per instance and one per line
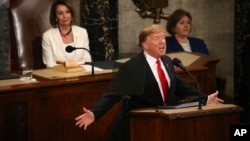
(163, 79)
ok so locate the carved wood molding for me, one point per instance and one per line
(151, 9)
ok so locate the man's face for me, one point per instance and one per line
(155, 44)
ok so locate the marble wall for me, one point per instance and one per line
(213, 21)
(241, 56)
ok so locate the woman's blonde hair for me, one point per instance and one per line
(148, 30)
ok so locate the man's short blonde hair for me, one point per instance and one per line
(148, 30)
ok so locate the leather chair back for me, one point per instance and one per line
(28, 20)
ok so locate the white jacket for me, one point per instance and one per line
(53, 46)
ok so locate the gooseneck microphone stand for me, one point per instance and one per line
(71, 48)
(177, 62)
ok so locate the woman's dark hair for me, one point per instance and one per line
(174, 18)
(52, 17)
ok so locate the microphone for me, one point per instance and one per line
(71, 48)
(177, 63)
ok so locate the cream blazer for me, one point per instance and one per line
(54, 48)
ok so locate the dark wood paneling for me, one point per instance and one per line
(196, 126)
(16, 115)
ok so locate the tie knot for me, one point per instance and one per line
(158, 61)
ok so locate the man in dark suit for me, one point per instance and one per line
(138, 79)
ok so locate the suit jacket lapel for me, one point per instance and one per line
(166, 64)
(171, 72)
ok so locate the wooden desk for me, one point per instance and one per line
(203, 67)
(188, 124)
(45, 110)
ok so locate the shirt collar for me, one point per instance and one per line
(151, 60)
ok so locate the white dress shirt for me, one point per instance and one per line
(153, 65)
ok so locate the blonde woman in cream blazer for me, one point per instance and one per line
(62, 34)
(54, 48)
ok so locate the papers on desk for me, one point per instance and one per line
(54, 74)
(183, 105)
(114, 64)
(88, 67)
(185, 57)
(122, 60)
(100, 67)
(189, 101)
